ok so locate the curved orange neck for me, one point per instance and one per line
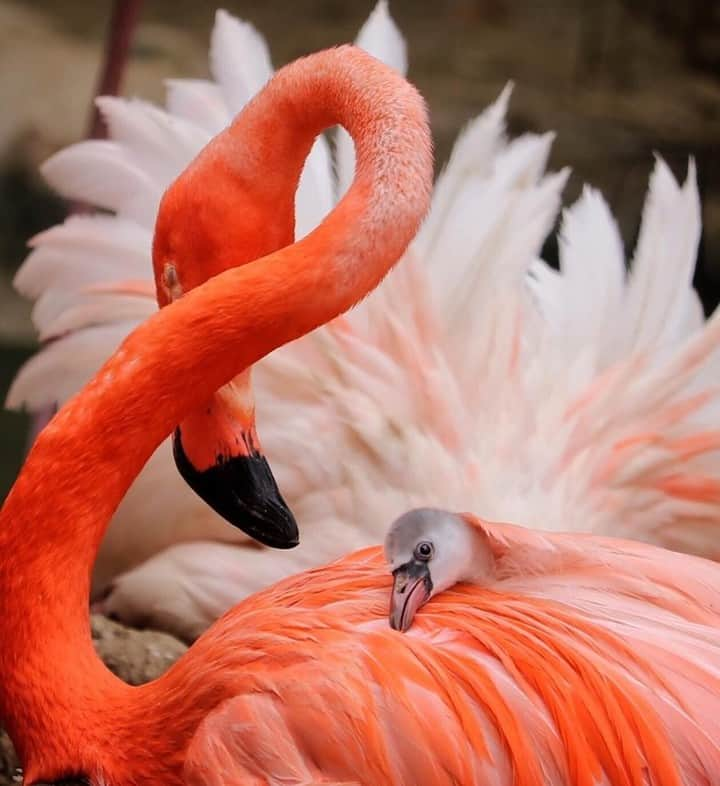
(84, 461)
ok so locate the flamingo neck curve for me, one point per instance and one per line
(58, 701)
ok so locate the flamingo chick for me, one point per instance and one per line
(429, 551)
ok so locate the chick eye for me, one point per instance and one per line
(424, 551)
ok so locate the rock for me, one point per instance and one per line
(10, 773)
(136, 656)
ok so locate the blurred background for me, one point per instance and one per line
(616, 79)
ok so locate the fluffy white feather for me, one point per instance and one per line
(593, 271)
(198, 101)
(315, 196)
(664, 261)
(84, 250)
(475, 378)
(239, 60)
(154, 140)
(95, 309)
(472, 156)
(103, 173)
(64, 366)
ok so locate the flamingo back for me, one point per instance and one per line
(586, 661)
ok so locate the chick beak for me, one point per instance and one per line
(412, 587)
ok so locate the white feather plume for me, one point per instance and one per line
(474, 378)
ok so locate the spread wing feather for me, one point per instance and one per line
(475, 377)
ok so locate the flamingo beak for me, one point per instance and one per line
(412, 588)
(218, 454)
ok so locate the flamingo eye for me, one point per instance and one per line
(171, 282)
(424, 551)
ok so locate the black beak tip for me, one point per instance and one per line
(243, 491)
(270, 522)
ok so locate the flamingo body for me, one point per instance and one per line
(475, 377)
(585, 661)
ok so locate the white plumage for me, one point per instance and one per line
(475, 378)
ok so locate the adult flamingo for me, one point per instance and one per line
(450, 366)
(610, 679)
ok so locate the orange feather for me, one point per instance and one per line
(585, 661)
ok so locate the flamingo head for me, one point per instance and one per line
(430, 550)
(218, 454)
(210, 220)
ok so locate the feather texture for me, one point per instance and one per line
(102, 173)
(474, 378)
(85, 250)
(585, 661)
(380, 37)
(239, 60)
(55, 373)
(199, 102)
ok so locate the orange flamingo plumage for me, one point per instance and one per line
(472, 354)
(587, 661)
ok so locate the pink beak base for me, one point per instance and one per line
(412, 587)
